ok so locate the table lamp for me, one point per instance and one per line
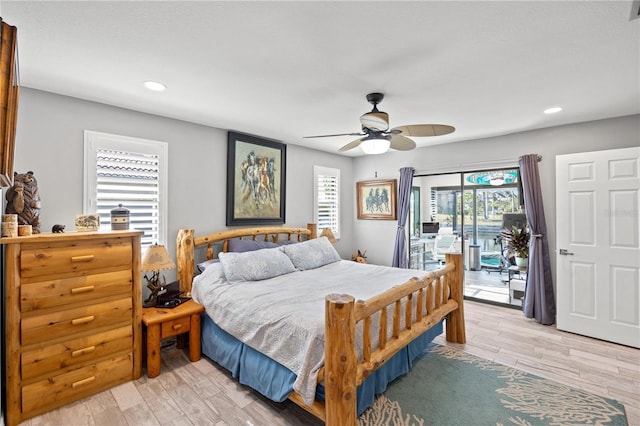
(156, 259)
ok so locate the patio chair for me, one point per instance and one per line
(443, 244)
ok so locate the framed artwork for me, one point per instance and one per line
(377, 199)
(256, 177)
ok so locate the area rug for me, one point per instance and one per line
(451, 387)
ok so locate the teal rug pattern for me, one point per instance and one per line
(451, 387)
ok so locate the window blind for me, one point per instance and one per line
(130, 179)
(327, 199)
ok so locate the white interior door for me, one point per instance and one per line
(598, 240)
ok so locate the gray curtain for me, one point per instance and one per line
(400, 255)
(539, 302)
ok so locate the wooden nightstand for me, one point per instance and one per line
(161, 323)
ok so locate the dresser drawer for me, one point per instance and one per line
(65, 291)
(53, 325)
(175, 327)
(66, 354)
(62, 388)
(55, 259)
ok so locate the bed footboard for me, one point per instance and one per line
(438, 295)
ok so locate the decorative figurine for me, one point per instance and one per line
(23, 199)
(359, 256)
(57, 229)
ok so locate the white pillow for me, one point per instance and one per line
(212, 276)
(255, 265)
(311, 254)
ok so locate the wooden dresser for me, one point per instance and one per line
(72, 317)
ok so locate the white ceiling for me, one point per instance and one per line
(284, 70)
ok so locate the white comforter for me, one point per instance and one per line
(283, 317)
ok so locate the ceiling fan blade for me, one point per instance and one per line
(401, 143)
(337, 134)
(424, 130)
(351, 145)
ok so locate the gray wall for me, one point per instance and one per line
(377, 236)
(50, 142)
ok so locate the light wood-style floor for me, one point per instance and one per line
(201, 393)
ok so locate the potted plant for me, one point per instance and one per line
(517, 242)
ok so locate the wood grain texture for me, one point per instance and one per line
(72, 317)
(340, 360)
(162, 323)
(9, 89)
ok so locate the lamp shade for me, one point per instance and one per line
(375, 145)
(157, 259)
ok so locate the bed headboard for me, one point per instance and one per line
(187, 243)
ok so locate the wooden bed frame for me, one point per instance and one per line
(439, 294)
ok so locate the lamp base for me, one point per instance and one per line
(149, 303)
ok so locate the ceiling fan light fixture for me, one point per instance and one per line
(375, 145)
(377, 138)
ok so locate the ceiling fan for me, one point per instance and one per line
(376, 137)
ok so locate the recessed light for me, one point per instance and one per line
(552, 110)
(155, 86)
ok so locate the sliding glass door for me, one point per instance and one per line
(466, 212)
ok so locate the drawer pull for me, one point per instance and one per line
(83, 382)
(177, 326)
(83, 351)
(83, 320)
(85, 289)
(86, 258)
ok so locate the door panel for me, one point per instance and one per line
(583, 291)
(581, 206)
(598, 240)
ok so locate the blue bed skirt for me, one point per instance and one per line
(275, 381)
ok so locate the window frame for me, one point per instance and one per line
(330, 172)
(97, 140)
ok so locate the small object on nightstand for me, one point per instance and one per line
(169, 296)
(57, 229)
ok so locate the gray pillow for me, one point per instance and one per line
(255, 265)
(203, 265)
(241, 246)
(311, 254)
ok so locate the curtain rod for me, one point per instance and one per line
(539, 157)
